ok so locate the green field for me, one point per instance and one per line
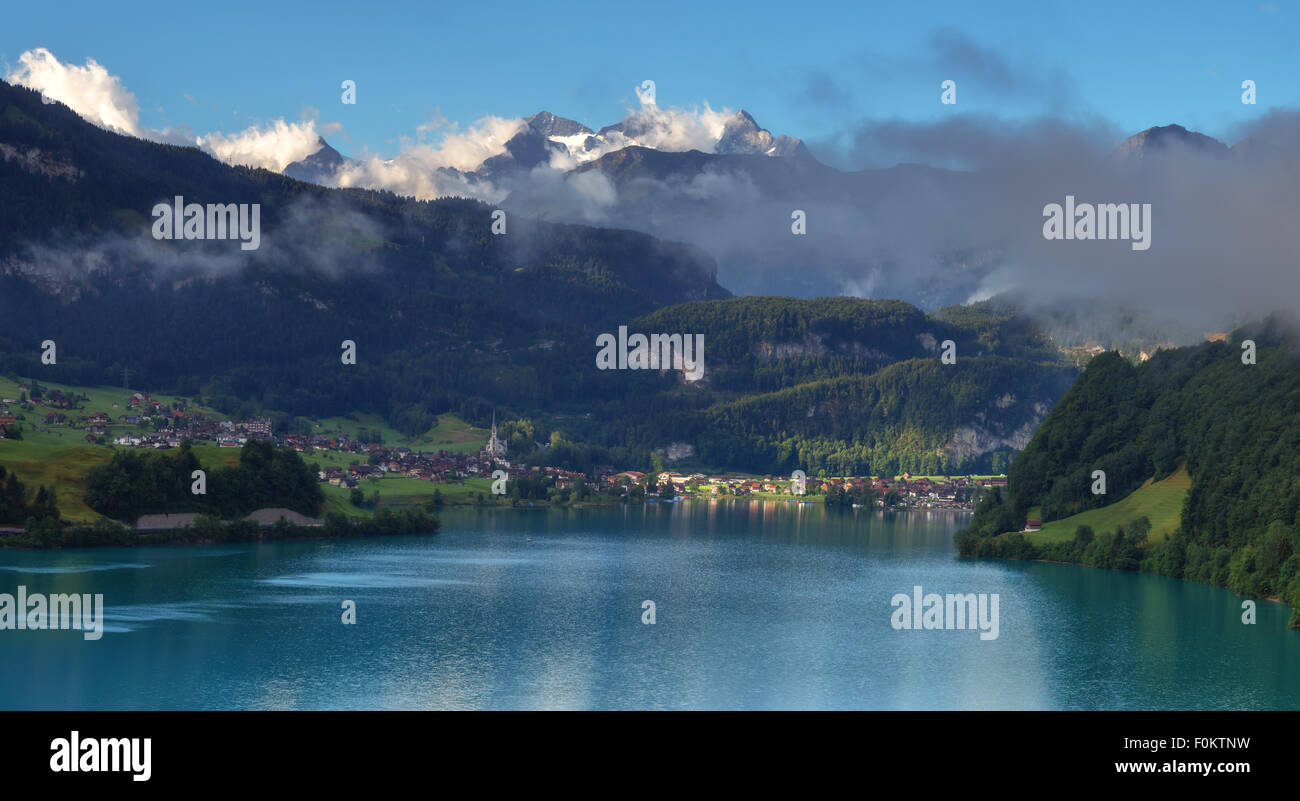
(449, 434)
(338, 500)
(101, 399)
(397, 491)
(455, 435)
(59, 455)
(63, 465)
(1161, 502)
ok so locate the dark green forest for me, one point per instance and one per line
(137, 482)
(15, 507)
(1235, 426)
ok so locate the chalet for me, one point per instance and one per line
(6, 419)
(364, 471)
(55, 418)
(1033, 525)
(98, 418)
(130, 419)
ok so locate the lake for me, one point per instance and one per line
(756, 606)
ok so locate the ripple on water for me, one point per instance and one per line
(130, 618)
(70, 569)
(363, 580)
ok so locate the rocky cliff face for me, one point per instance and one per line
(981, 437)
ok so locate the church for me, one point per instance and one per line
(495, 450)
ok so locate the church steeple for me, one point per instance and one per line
(496, 447)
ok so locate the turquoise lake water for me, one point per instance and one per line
(757, 605)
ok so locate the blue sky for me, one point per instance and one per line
(812, 70)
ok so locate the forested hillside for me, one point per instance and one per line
(1234, 426)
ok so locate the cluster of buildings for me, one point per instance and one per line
(377, 460)
(54, 408)
(953, 493)
(55, 401)
(437, 467)
(440, 467)
(7, 417)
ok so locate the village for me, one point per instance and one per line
(144, 422)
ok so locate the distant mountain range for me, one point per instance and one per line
(928, 235)
(543, 136)
(448, 316)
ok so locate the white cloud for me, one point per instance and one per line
(273, 147)
(90, 90)
(465, 150)
(101, 98)
(677, 129)
(417, 170)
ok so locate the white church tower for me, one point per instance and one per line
(496, 446)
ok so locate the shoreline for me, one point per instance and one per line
(104, 533)
(644, 502)
(1271, 598)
